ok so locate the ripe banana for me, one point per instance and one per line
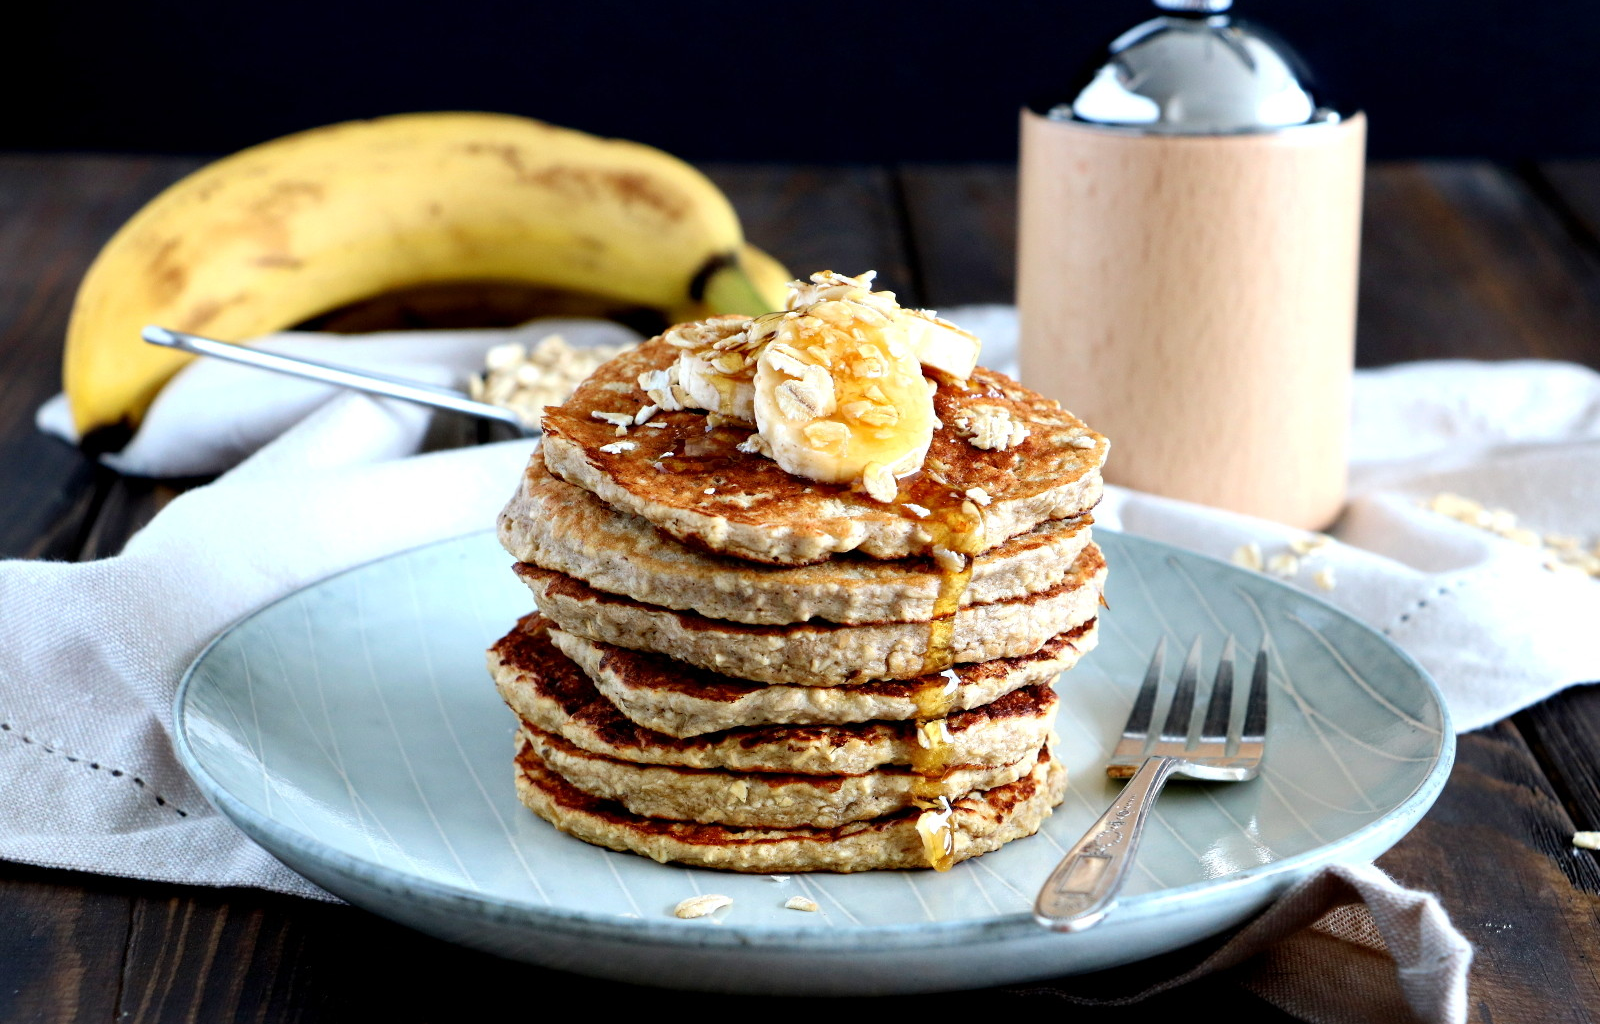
(298, 226)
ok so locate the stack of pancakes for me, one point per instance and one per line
(738, 668)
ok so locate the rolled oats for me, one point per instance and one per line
(525, 382)
(700, 906)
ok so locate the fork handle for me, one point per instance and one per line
(1084, 886)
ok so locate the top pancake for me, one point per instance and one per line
(756, 510)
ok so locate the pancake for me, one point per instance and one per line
(760, 799)
(675, 699)
(554, 525)
(709, 493)
(820, 654)
(549, 692)
(980, 822)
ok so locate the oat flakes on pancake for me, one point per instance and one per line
(818, 653)
(980, 822)
(548, 691)
(756, 510)
(554, 525)
(669, 697)
(761, 799)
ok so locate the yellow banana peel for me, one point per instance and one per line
(290, 229)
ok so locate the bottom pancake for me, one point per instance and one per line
(980, 822)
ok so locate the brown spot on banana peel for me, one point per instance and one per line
(287, 197)
(632, 188)
(203, 313)
(166, 277)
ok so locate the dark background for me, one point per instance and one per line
(717, 79)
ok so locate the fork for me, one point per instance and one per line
(344, 376)
(1084, 886)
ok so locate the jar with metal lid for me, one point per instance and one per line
(1189, 229)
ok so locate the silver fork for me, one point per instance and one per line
(1084, 886)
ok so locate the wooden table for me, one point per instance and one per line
(1460, 259)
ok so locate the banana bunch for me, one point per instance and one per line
(296, 227)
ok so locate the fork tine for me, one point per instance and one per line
(1176, 729)
(1255, 714)
(1220, 709)
(1137, 730)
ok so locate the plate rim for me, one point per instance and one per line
(807, 939)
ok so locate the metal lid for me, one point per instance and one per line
(1198, 73)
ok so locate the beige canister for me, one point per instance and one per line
(1187, 285)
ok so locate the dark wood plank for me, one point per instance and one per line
(1462, 260)
(1564, 733)
(962, 223)
(817, 218)
(1572, 187)
(55, 213)
(1495, 850)
(61, 944)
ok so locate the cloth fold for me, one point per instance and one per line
(90, 654)
(1346, 945)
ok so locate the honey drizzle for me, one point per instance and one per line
(726, 387)
(957, 525)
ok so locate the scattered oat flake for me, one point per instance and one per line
(1586, 840)
(1559, 553)
(616, 419)
(618, 447)
(700, 906)
(916, 510)
(1248, 556)
(949, 561)
(1324, 578)
(879, 482)
(979, 495)
(800, 903)
(1304, 546)
(1283, 564)
(709, 490)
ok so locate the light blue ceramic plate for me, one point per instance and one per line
(352, 730)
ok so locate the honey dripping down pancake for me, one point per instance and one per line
(957, 524)
(684, 563)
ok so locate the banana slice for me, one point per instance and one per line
(840, 396)
(940, 344)
(717, 365)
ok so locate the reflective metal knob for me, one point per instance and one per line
(1195, 6)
